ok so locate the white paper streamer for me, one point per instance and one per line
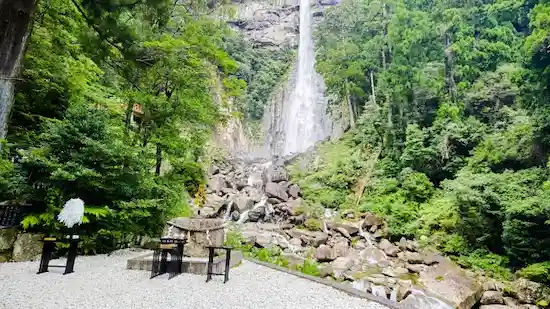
(72, 212)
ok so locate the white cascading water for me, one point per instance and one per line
(304, 115)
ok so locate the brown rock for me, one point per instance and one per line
(372, 255)
(351, 229)
(431, 258)
(492, 298)
(371, 219)
(27, 247)
(412, 245)
(340, 265)
(415, 268)
(7, 238)
(344, 232)
(325, 271)
(528, 292)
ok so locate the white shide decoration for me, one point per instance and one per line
(72, 212)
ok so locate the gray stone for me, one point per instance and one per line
(527, 306)
(529, 292)
(256, 214)
(412, 245)
(340, 249)
(371, 219)
(495, 307)
(388, 247)
(377, 280)
(492, 298)
(274, 201)
(27, 247)
(293, 259)
(403, 244)
(294, 191)
(350, 228)
(296, 242)
(372, 255)
(343, 231)
(7, 238)
(512, 302)
(340, 265)
(450, 283)
(216, 183)
(244, 203)
(413, 257)
(324, 254)
(235, 215)
(432, 258)
(415, 268)
(325, 271)
(273, 189)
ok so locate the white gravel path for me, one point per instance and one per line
(102, 282)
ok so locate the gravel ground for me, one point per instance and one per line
(102, 282)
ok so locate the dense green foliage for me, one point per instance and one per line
(115, 106)
(451, 144)
(262, 69)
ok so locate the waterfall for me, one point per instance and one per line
(305, 120)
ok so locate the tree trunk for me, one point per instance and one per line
(159, 160)
(15, 18)
(372, 87)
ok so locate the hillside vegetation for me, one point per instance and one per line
(451, 140)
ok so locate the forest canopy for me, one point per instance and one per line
(451, 143)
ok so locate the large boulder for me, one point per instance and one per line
(216, 183)
(372, 256)
(27, 247)
(7, 238)
(492, 298)
(256, 214)
(388, 248)
(294, 191)
(340, 265)
(273, 189)
(244, 203)
(324, 254)
(450, 283)
(348, 227)
(529, 292)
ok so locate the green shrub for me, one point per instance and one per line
(313, 224)
(539, 272)
(309, 267)
(490, 264)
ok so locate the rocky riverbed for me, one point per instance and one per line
(260, 201)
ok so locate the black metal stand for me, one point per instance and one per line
(47, 250)
(225, 274)
(161, 265)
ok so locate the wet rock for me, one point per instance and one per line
(244, 203)
(273, 189)
(492, 298)
(256, 214)
(27, 247)
(294, 191)
(324, 254)
(235, 215)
